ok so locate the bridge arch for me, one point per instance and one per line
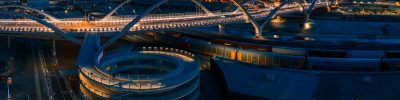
(249, 18)
(127, 27)
(303, 8)
(259, 28)
(274, 11)
(107, 17)
(52, 18)
(46, 24)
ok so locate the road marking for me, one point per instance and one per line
(37, 84)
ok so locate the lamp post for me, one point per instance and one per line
(8, 88)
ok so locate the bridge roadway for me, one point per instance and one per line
(152, 22)
(141, 83)
(210, 36)
(93, 63)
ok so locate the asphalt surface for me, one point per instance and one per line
(34, 77)
(24, 83)
(59, 89)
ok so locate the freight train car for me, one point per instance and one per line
(289, 57)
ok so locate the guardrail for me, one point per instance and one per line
(167, 49)
(168, 21)
(96, 91)
(144, 82)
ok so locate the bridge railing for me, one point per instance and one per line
(150, 22)
(98, 77)
(167, 49)
(95, 91)
(142, 82)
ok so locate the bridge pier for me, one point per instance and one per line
(309, 10)
(328, 5)
(307, 18)
(8, 42)
(328, 8)
(54, 52)
(258, 34)
(221, 28)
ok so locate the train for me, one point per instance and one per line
(287, 57)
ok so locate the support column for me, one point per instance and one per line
(221, 28)
(54, 48)
(54, 53)
(8, 42)
(327, 5)
(258, 34)
(310, 9)
(249, 18)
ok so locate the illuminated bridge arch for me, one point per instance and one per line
(52, 18)
(274, 11)
(127, 27)
(46, 24)
(107, 17)
(258, 28)
(249, 18)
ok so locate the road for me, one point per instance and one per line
(141, 40)
(23, 78)
(193, 33)
(33, 59)
(58, 89)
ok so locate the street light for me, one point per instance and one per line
(8, 88)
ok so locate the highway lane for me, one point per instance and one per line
(36, 71)
(59, 90)
(141, 40)
(29, 79)
(26, 81)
